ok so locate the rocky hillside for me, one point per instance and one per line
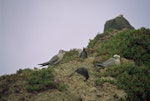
(126, 82)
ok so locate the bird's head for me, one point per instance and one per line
(116, 56)
(62, 52)
(84, 49)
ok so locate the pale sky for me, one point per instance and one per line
(32, 31)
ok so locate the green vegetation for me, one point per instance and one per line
(100, 81)
(69, 56)
(131, 44)
(93, 42)
(134, 80)
(43, 80)
(61, 86)
(138, 48)
(25, 72)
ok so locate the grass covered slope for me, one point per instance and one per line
(131, 44)
(133, 79)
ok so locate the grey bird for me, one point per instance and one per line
(115, 60)
(55, 59)
(83, 72)
(83, 54)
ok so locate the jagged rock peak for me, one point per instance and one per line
(117, 23)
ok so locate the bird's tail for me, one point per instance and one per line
(41, 65)
(44, 64)
(99, 64)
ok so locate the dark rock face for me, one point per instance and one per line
(117, 23)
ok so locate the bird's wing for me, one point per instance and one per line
(99, 64)
(54, 59)
(51, 61)
(109, 62)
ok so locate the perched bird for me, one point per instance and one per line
(115, 60)
(79, 51)
(55, 59)
(83, 72)
(83, 54)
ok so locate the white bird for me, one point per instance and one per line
(55, 59)
(115, 60)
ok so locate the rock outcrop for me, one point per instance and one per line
(117, 23)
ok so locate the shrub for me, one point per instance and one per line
(42, 80)
(134, 80)
(138, 47)
(131, 44)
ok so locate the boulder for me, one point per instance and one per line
(117, 23)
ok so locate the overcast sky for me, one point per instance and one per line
(32, 31)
